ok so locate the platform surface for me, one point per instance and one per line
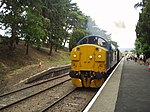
(128, 90)
(134, 90)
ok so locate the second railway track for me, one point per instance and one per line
(11, 99)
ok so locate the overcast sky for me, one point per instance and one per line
(118, 17)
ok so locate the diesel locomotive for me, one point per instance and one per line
(91, 60)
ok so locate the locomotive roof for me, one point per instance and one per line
(107, 43)
(89, 36)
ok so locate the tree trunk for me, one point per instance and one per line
(13, 39)
(38, 47)
(27, 44)
(56, 48)
(50, 50)
(17, 41)
(27, 48)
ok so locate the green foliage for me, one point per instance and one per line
(133, 51)
(142, 42)
(40, 22)
(10, 15)
(138, 46)
(32, 28)
(76, 36)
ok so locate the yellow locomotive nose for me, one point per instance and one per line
(87, 61)
(88, 58)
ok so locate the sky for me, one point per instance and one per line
(117, 17)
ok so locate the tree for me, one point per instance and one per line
(140, 4)
(22, 19)
(56, 12)
(32, 29)
(142, 42)
(42, 22)
(76, 36)
(75, 20)
(10, 15)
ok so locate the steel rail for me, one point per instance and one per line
(4, 107)
(17, 90)
(57, 101)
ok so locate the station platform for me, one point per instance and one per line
(128, 90)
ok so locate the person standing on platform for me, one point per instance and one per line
(144, 60)
(135, 58)
(141, 58)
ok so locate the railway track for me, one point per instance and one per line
(46, 99)
(13, 98)
(73, 101)
(53, 95)
(46, 108)
(32, 85)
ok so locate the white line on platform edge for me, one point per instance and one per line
(100, 90)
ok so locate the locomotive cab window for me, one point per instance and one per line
(97, 41)
(101, 42)
(84, 41)
(93, 40)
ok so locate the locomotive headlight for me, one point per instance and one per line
(99, 56)
(75, 49)
(98, 49)
(90, 57)
(74, 56)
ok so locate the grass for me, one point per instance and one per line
(15, 66)
(12, 61)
